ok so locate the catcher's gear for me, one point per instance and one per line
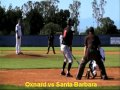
(88, 74)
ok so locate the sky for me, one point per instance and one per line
(112, 10)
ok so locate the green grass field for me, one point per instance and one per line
(52, 61)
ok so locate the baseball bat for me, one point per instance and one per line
(75, 59)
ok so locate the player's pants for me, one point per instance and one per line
(93, 67)
(18, 45)
(50, 44)
(102, 53)
(67, 53)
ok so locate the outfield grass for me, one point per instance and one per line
(54, 62)
(7, 63)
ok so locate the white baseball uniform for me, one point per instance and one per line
(67, 54)
(64, 47)
(18, 40)
(65, 50)
(61, 38)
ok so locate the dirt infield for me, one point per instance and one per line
(24, 56)
(20, 77)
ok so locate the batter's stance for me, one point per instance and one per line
(67, 41)
(91, 52)
(18, 37)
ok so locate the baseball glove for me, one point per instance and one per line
(18, 37)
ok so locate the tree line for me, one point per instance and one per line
(40, 18)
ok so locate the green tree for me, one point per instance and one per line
(39, 13)
(35, 21)
(74, 9)
(11, 17)
(51, 27)
(2, 19)
(61, 18)
(107, 26)
(98, 10)
(26, 7)
(51, 7)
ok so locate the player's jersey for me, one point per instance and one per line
(67, 36)
(18, 30)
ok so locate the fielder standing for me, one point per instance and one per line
(51, 42)
(18, 37)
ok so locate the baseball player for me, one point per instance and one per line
(18, 37)
(61, 38)
(51, 42)
(93, 65)
(91, 52)
(66, 42)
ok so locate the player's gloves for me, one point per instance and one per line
(18, 37)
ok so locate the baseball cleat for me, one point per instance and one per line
(63, 73)
(68, 75)
(104, 77)
(78, 78)
(94, 76)
(17, 54)
(20, 53)
(88, 74)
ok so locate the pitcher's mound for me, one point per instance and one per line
(24, 56)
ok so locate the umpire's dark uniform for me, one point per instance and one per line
(92, 43)
(51, 42)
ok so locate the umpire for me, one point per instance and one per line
(91, 52)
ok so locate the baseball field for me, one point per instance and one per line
(37, 70)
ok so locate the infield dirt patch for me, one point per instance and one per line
(24, 56)
(42, 54)
(20, 77)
